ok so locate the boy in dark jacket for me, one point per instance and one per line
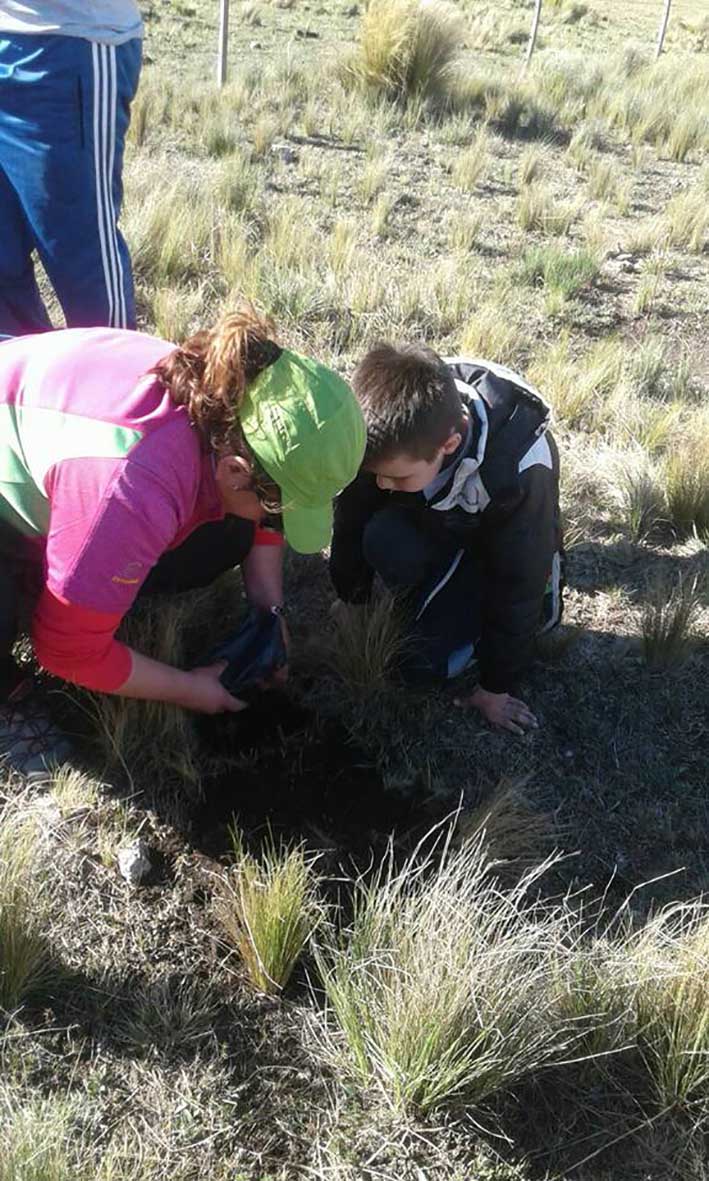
(456, 507)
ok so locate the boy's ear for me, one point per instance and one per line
(452, 443)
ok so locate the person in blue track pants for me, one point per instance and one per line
(68, 72)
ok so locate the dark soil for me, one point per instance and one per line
(290, 773)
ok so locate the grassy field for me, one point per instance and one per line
(296, 997)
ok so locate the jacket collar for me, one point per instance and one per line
(472, 449)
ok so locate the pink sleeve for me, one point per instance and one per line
(109, 528)
(78, 644)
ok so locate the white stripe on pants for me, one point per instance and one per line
(104, 130)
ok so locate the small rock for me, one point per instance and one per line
(353, 10)
(285, 153)
(134, 862)
(254, 44)
(304, 34)
(49, 812)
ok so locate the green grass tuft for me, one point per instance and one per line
(565, 272)
(267, 908)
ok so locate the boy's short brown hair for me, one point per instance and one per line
(409, 401)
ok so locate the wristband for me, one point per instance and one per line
(267, 536)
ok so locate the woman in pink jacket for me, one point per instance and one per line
(130, 466)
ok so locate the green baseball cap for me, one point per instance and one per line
(306, 429)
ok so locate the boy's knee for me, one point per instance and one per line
(390, 547)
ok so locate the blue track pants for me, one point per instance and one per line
(64, 113)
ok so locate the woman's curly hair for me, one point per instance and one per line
(209, 374)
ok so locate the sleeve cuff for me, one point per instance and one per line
(268, 536)
(78, 644)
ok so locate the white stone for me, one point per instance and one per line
(134, 862)
(285, 153)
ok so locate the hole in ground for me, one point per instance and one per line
(286, 770)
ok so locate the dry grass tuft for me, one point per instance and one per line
(24, 951)
(175, 311)
(438, 991)
(668, 620)
(670, 965)
(464, 230)
(496, 331)
(268, 909)
(406, 48)
(687, 221)
(687, 485)
(538, 209)
(579, 389)
(471, 163)
(170, 1015)
(373, 179)
(642, 495)
(513, 833)
(531, 164)
(36, 1137)
(365, 644)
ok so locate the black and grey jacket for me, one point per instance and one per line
(500, 498)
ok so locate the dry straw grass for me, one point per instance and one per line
(642, 495)
(171, 1015)
(438, 990)
(496, 331)
(268, 909)
(37, 1133)
(579, 388)
(514, 834)
(668, 621)
(24, 888)
(687, 484)
(538, 209)
(471, 163)
(366, 644)
(406, 48)
(669, 966)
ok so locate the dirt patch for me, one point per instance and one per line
(285, 770)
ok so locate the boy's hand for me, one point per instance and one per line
(499, 709)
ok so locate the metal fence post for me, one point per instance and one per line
(533, 35)
(663, 28)
(222, 53)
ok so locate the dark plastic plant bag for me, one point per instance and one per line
(253, 653)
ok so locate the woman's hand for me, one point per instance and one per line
(500, 709)
(205, 693)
